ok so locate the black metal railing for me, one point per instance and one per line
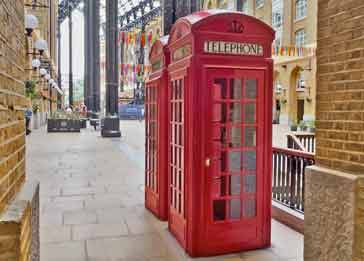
(288, 184)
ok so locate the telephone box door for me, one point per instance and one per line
(234, 161)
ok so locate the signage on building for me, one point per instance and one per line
(233, 48)
(182, 52)
(157, 65)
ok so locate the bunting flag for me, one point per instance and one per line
(137, 39)
(292, 51)
(134, 72)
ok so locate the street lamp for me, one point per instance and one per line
(42, 72)
(31, 22)
(41, 45)
(47, 77)
(35, 64)
(51, 81)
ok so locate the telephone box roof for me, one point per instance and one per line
(211, 18)
(164, 40)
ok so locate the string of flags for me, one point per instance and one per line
(292, 51)
(125, 68)
(137, 39)
(134, 72)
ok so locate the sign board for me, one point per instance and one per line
(233, 48)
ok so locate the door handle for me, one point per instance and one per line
(207, 162)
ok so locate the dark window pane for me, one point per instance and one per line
(223, 161)
(249, 160)
(219, 210)
(235, 209)
(251, 89)
(249, 113)
(234, 161)
(235, 185)
(250, 183)
(249, 208)
(235, 112)
(250, 136)
(235, 89)
(235, 137)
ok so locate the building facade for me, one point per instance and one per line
(295, 23)
(46, 97)
(334, 202)
(19, 198)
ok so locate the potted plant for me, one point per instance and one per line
(311, 126)
(302, 125)
(30, 89)
(293, 126)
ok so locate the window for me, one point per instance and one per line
(277, 20)
(245, 6)
(300, 38)
(301, 9)
(259, 3)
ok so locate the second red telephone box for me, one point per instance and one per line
(156, 124)
(220, 156)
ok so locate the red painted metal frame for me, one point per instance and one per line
(156, 171)
(192, 67)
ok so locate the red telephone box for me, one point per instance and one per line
(156, 123)
(220, 132)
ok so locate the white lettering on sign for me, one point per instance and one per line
(234, 48)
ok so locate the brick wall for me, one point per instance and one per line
(12, 101)
(340, 85)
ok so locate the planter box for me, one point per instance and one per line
(63, 125)
(83, 123)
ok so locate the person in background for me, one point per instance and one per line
(69, 110)
(28, 115)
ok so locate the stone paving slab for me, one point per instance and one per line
(92, 202)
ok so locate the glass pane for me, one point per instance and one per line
(219, 113)
(249, 113)
(250, 136)
(235, 89)
(249, 208)
(251, 89)
(220, 89)
(235, 209)
(250, 183)
(235, 137)
(235, 112)
(249, 160)
(219, 210)
(234, 161)
(235, 185)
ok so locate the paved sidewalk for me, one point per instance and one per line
(92, 202)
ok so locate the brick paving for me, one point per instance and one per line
(92, 202)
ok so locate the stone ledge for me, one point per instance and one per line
(333, 227)
(19, 235)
